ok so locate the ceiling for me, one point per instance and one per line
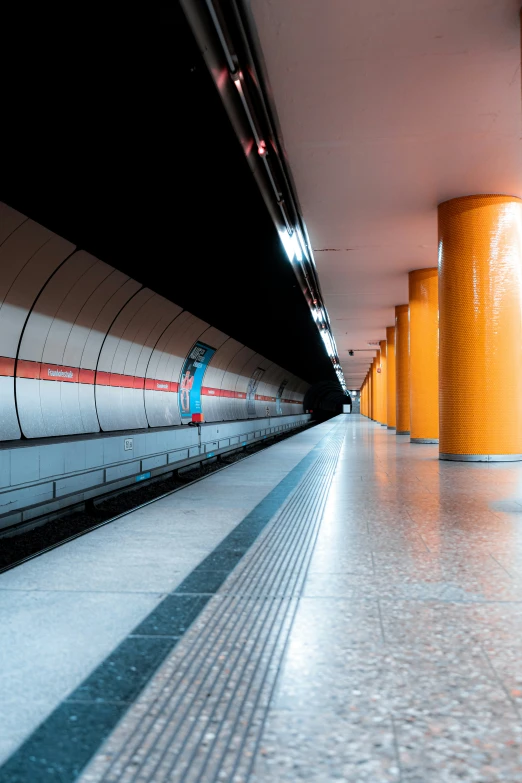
(386, 108)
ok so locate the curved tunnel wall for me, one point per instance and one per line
(85, 348)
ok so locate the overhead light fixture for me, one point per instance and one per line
(291, 245)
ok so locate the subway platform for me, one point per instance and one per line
(339, 607)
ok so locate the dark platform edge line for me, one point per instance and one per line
(65, 742)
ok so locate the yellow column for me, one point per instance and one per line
(480, 269)
(390, 377)
(402, 369)
(384, 384)
(424, 356)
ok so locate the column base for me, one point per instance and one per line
(383, 425)
(424, 440)
(402, 432)
(391, 428)
(482, 457)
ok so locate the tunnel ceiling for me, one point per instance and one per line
(387, 108)
(116, 140)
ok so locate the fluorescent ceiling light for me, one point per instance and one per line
(291, 245)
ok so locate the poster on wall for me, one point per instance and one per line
(280, 395)
(251, 390)
(191, 379)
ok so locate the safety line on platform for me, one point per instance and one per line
(67, 740)
(202, 716)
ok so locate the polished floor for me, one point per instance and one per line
(368, 627)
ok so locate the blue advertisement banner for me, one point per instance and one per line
(191, 379)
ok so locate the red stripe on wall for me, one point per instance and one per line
(123, 381)
(87, 376)
(6, 366)
(103, 378)
(26, 369)
(152, 384)
(208, 391)
(58, 372)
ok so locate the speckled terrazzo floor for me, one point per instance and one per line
(372, 633)
(405, 658)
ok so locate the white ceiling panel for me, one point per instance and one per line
(388, 107)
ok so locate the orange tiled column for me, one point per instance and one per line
(371, 386)
(370, 392)
(375, 398)
(424, 356)
(402, 369)
(378, 391)
(384, 385)
(390, 377)
(480, 279)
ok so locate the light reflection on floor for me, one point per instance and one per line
(405, 659)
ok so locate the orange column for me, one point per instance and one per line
(378, 391)
(480, 269)
(390, 377)
(384, 384)
(402, 369)
(424, 356)
(375, 410)
(370, 393)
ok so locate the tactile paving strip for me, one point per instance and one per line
(202, 716)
